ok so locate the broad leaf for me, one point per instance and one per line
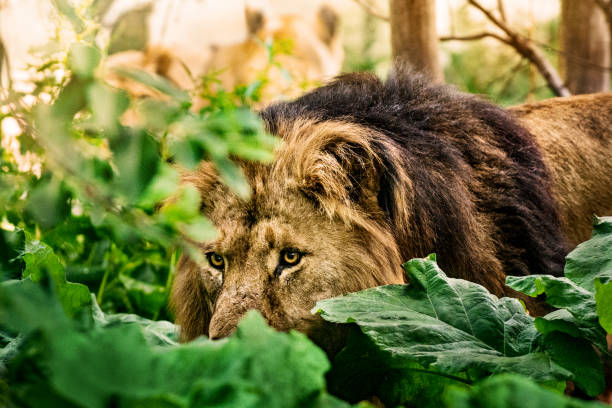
(450, 325)
(580, 318)
(603, 298)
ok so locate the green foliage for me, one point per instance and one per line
(509, 391)
(416, 340)
(129, 361)
(101, 201)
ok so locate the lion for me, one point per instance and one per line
(312, 53)
(289, 54)
(370, 174)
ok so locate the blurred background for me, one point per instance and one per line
(511, 51)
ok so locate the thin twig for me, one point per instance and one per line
(371, 10)
(499, 23)
(473, 37)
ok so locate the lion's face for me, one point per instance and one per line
(293, 242)
(279, 254)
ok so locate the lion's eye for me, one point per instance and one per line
(215, 260)
(290, 257)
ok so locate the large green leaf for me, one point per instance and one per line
(96, 366)
(361, 370)
(511, 391)
(582, 312)
(450, 325)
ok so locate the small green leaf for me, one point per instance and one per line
(65, 8)
(603, 298)
(592, 259)
(163, 185)
(107, 105)
(137, 161)
(146, 296)
(40, 261)
(83, 60)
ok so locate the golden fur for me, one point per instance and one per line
(575, 136)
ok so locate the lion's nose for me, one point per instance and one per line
(220, 328)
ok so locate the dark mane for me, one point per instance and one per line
(463, 155)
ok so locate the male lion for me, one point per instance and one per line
(371, 174)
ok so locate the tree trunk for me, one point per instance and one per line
(413, 35)
(585, 42)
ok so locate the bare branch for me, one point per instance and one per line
(371, 10)
(474, 37)
(502, 10)
(499, 23)
(525, 47)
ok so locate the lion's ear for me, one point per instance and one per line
(334, 162)
(255, 20)
(328, 24)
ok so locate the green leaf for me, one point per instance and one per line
(592, 259)
(49, 202)
(159, 332)
(603, 298)
(137, 161)
(578, 356)
(361, 370)
(83, 59)
(146, 296)
(450, 325)
(163, 185)
(40, 261)
(107, 105)
(511, 391)
(564, 294)
(65, 8)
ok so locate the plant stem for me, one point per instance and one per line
(100, 294)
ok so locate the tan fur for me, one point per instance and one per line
(575, 136)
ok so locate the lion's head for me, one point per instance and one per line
(312, 229)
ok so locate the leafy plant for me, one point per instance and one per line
(454, 331)
(111, 362)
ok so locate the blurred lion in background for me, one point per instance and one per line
(281, 57)
(371, 174)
